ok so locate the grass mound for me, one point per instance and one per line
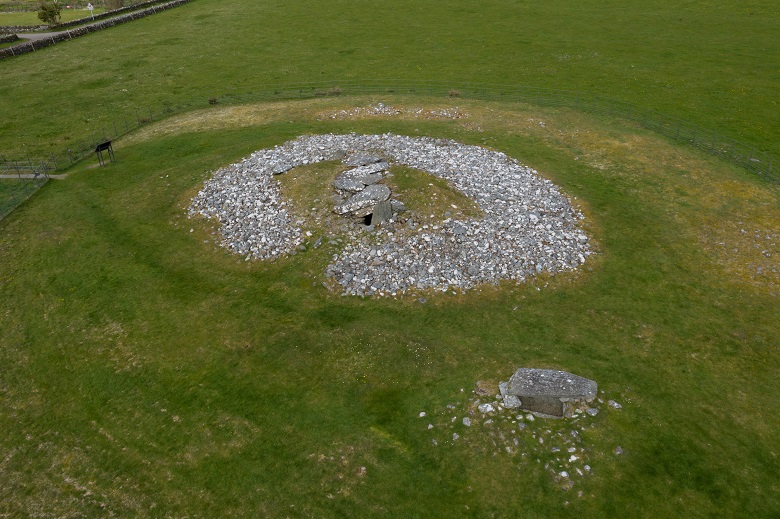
(148, 372)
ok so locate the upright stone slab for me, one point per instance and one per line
(550, 392)
(383, 211)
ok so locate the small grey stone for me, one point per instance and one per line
(614, 404)
(618, 450)
(398, 206)
(455, 436)
(486, 408)
(512, 402)
(592, 411)
(281, 168)
(467, 421)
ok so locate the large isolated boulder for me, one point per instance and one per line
(550, 392)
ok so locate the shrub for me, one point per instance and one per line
(49, 13)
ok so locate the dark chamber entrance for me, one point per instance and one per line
(367, 218)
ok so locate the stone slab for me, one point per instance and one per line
(546, 391)
(366, 198)
(383, 212)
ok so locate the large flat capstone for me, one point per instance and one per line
(366, 198)
(549, 392)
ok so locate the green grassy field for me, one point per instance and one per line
(147, 372)
(712, 61)
(31, 18)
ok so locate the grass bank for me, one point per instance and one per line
(149, 372)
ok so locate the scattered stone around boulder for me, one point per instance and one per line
(548, 392)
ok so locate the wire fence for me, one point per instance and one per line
(19, 180)
(674, 128)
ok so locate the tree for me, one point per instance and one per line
(49, 13)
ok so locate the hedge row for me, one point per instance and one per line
(34, 45)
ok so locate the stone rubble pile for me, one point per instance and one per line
(359, 193)
(528, 227)
(383, 110)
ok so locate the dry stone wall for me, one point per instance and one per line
(69, 34)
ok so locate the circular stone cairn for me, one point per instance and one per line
(528, 227)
